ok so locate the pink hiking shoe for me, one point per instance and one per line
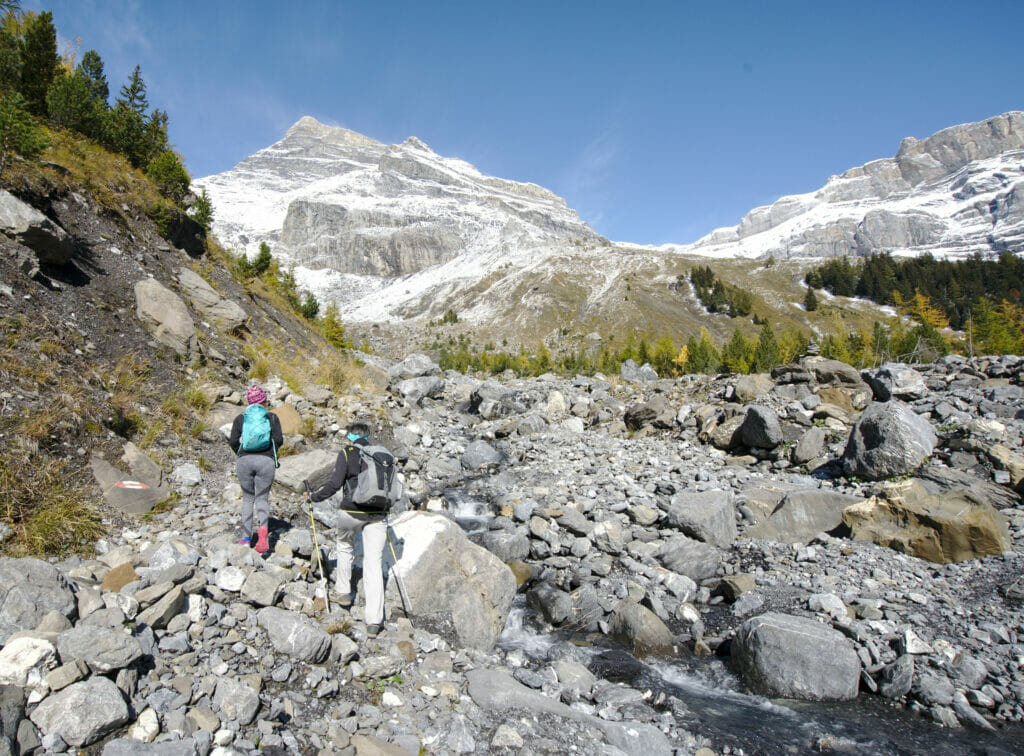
(262, 543)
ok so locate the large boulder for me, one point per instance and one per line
(445, 574)
(695, 559)
(480, 454)
(657, 412)
(708, 516)
(810, 446)
(414, 389)
(294, 635)
(629, 371)
(83, 712)
(131, 492)
(888, 440)
(760, 428)
(314, 466)
(894, 380)
(29, 589)
(751, 387)
(209, 304)
(951, 526)
(165, 316)
(104, 649)
(803, 514)
(795, 657)
(413, 366)
(30, 228)
(640, 630)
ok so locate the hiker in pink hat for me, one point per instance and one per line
(255, 438)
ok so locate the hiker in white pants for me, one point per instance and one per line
(374, 537)
(351, 520)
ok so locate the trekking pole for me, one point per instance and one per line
(316, 545)
(406, 603)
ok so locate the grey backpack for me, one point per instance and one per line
(378, 486)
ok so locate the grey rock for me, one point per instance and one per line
(751, 387)
(187, 476)
(694, 559)
(82, 713)
(236, 701)
(29, 588)
(444, 573)
(888, 440)
(262, 588)
(802, 515)
(210, 305)
(104, 649)
(129, 747)
(629, 371)
(554, 603)
(159, 614)
(896, 678)
(165, 316)
(760, 428)
(795, 657)
(314, 466)
(480, 454)
(494, 690)
(294, 635)
(640, 630)
(414, 389)
(895, 380)
(506, 545)
(933, 690)
(658, 412)
(708, 516)
(413, 366)
(810, 446)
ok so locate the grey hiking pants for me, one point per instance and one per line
(374, 535)
(255, 474)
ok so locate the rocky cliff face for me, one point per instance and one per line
(955, 193)
(330, 198)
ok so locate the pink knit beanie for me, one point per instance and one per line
(256, 395)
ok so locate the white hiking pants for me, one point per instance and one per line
(374, 536)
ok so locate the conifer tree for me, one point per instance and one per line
(169, 175)
(202, 210)
(39, 61)
(810, 300)
(736, 355)
(70, 103)
(91, 68)
(133, 93)
(767, 353)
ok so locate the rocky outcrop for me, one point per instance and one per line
(27, 226)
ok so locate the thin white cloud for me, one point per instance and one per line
(587, 179)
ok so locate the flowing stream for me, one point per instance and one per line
(720, 710)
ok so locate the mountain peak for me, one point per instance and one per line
(308, 126)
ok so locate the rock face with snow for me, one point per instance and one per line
(957, 192)
(396, 232)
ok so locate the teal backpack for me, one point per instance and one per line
(256, 430)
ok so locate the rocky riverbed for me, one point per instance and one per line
(820, 559)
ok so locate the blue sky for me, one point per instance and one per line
(657, 121)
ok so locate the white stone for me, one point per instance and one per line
(24, 661)
(146, 727)
(230, 579)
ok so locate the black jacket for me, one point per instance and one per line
(346, 468)
(275, 435)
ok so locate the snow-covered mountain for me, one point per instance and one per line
(395, 232)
